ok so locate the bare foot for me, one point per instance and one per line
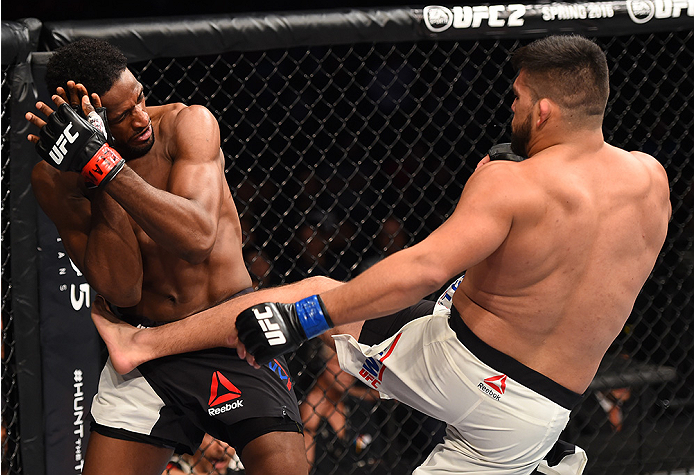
(118, 336)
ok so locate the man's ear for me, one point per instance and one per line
(544, 108)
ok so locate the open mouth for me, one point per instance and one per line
(144, 135)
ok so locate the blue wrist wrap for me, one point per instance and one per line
(311, 316)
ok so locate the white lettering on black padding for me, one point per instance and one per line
(643, 11)
(438, 19)
(273, 334)
(58, 151)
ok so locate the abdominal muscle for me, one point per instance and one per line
(173, 289)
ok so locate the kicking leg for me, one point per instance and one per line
(129, 346)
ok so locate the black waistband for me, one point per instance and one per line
(512, 368)
(137, 320)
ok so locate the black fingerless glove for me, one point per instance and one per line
(503, 151)
(268, 330)
(70, 143)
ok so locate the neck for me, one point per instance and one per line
(582, 138)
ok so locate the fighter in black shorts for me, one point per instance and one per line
(145, 212)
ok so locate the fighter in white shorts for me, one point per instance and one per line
(436, 365)
(495, 408)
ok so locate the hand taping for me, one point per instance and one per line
(97, 118)
(268, 330)
(70, 143)
(503, 151)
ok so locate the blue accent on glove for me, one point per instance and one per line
(311, 316)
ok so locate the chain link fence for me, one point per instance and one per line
(340, 155)
(10, 403)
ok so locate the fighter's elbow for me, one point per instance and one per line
(125, 297)
(196, 255)
(122, 288)
(428, 277)
(433, 279)
(198, 247)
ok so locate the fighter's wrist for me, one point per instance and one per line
(103, 166)
(312, 316)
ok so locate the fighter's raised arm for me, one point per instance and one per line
(194, 189)
(478, 226)
(93, 227)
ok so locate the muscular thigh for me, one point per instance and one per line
(109, 456)
(276, 453)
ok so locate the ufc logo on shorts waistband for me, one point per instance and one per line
(58, 151)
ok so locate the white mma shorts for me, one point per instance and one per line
(496, 422)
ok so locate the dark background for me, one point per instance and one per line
(56, 10)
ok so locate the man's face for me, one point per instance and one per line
(127, 117)
(521, 126)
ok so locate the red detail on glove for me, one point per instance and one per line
(103, 166)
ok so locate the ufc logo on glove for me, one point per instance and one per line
(272, 331)
(58, 151)
(88, 152)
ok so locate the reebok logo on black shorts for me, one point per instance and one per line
(222, 391)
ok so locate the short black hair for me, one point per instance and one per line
(568, 69)
(93, 62)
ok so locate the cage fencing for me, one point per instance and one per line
(340, 153)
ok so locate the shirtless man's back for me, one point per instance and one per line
(587, 228)
(555, 250)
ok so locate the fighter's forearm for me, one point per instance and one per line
(112, 260)
(393, 284)
(269, 329)
(180, 225)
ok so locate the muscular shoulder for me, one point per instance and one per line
(190, 131)
(657, 177)
(178, 115)
(651, 164)
(503, 182)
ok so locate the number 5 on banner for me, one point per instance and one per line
(82, 298)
